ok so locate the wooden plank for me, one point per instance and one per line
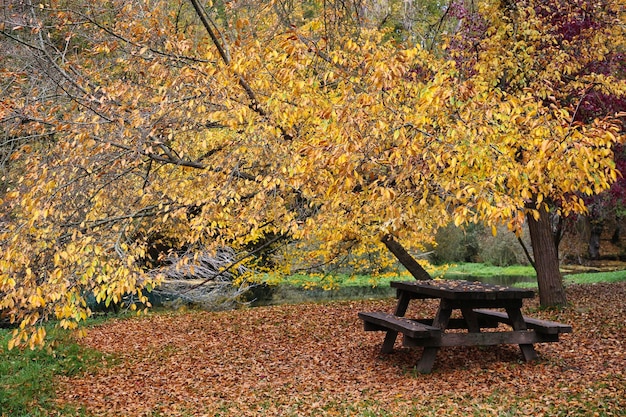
(403, 304)
(373, 327)
(426, 362)
(524, 337)
(442, 317)
(471, 319)
(411, 295)
(478, 304)
(458, 323)
(542, 326)
(390, 322)
(474, 304)
(441, 321)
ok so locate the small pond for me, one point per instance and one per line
(289, 294)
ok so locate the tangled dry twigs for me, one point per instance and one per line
(213, 281)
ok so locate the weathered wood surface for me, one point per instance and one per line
(390, 338)
(517, 337)
(462, 290)
(541, 326)
(377, 321)
(461, 323)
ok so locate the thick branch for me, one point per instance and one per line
(166, 158)
(207, 26)
(405, 258)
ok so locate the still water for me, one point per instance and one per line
(507, 280)
(287, 294)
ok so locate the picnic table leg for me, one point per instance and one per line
(518, 323)
(426, 362)
(471, 320)
(390, 337)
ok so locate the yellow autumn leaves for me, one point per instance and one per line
(349, 138)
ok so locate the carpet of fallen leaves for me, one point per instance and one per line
(315, 359)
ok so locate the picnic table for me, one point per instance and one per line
(478, 303)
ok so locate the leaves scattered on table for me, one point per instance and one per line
(461, 285)
(316, 359)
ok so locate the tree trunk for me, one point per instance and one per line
(596, 230)
(405, 258)
(616, 234)
(551, 291)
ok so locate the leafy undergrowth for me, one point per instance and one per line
(316, 360)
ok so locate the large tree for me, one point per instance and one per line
(563, 55)
(221, 124)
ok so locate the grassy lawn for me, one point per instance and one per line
(460, 271)
(483, 270)
(595, 277)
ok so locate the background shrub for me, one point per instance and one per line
(504, 249)
(454, 244)
(475, 243)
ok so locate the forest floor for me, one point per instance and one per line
(316, 360)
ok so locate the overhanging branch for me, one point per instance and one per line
(254, 104)
(405, 258)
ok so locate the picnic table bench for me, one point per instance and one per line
(476, 302)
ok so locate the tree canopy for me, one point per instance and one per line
(220, 124)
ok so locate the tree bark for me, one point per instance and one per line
(551, 290)
(596, 229)
(405, 258)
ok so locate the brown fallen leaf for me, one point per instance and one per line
(315, 359)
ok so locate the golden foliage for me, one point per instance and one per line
(335, 141)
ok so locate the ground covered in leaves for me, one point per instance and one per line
(316, 360)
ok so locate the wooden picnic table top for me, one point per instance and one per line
(462, 290)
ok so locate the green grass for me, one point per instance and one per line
(333, 281)
(484, 270)
(27, 377)
(595, 277)
(460, 271)
(584, 278)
